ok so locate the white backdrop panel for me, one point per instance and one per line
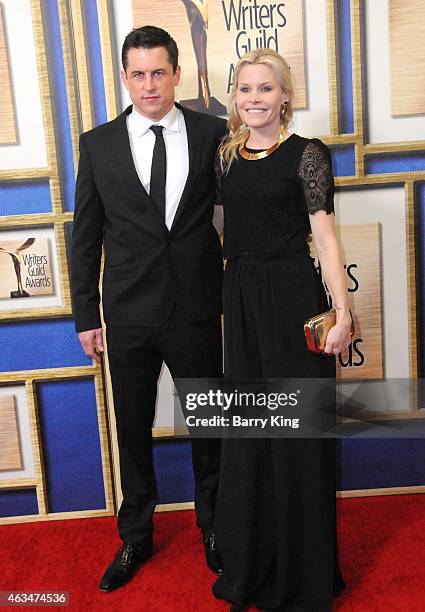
(383, 127)
(30, 151)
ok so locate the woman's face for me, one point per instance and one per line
(259, 97)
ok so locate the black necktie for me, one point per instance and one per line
(158, 170)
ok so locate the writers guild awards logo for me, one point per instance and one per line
(197, 13)
(16, 259)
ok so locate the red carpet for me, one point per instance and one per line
(382, 542)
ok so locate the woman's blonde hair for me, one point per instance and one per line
(237, 130)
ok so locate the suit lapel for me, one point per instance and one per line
(194, 139)
(121, 146)
(122, 149)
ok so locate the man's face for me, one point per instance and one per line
(150, 81)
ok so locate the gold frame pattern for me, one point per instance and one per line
(71, 21)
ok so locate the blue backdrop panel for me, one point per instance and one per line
(95, 62)
(173, 468)
(343, 160)
(370, 464)
(60, 102)
(402, 162)
(18, 503)
(362, 464)
(71, 445)
(40, 344)
(25, 198)
(345, 81)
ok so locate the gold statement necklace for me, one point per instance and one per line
(261, 154)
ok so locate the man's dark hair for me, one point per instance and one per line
(149, 37)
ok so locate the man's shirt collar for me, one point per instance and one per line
(139, 124)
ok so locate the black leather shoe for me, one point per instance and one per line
(123, 567)
(211, 553)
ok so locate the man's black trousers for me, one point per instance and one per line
(190, 350)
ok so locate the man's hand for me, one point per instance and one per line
(92, 343)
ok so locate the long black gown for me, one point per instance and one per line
(275, 515)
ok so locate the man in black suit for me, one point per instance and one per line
(145, 194)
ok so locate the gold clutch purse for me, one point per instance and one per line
(316, 330)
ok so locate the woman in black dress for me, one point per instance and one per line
(275, 518)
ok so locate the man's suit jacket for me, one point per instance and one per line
(148, 269)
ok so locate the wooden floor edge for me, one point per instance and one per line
(179, 506)
(175, 507)
(381, 492)
(55, 516)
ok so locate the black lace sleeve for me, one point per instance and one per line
(315, 173)
(217, 180)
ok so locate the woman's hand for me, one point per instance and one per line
(339, 337)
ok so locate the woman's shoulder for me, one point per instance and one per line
(300, 143)
(299, 149)
(312, 143)
(309, 149)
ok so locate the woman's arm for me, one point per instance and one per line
(327, 249)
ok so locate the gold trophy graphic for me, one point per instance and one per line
(16, 258)
(197, 13)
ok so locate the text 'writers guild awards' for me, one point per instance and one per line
(27, 264)
(197, 13)
(17, 262)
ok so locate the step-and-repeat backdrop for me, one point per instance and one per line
(359, 74)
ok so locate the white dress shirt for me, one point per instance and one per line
(142, 141)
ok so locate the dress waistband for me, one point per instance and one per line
(270, 255)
